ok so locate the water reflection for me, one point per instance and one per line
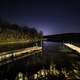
(57, 62)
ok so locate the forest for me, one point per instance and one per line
(10, 33)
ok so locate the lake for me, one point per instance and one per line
(56, 62)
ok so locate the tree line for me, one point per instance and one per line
(13, 32)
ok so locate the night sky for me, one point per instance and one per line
(52, 17)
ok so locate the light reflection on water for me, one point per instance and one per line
(66, 63)
(53, 54)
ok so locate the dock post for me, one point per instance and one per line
(42, 45)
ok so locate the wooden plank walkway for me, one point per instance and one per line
(9, 56)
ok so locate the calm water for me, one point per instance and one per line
(53, 53)
(57, 52)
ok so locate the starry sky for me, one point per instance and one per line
(49, 16)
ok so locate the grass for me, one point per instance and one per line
(14, 42)
(7, 46)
